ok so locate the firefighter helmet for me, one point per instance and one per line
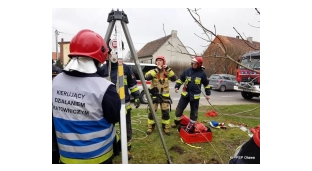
(198, 60)
(89, 44)
(161, 57)
(256, 135)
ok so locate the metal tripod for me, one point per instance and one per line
(120, 18)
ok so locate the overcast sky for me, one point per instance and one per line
(146, 24)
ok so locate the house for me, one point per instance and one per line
(162, 46)
(235, 47)
(54, 55)
(64, 51)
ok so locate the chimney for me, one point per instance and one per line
(237, 37)
(174, 34)
(249, 39)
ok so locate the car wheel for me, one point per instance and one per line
(222, 88)
(143, 98)
(247, 95)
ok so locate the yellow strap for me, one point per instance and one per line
(87, 161)
(189, 144)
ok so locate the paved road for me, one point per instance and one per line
(216, 98)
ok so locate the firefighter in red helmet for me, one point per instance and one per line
(159, 91)
(192, 78)
(249, 151)
(85, 105)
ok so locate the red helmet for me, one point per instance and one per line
(161, 57)
(90, 44)
(256, 135)
(198, 60)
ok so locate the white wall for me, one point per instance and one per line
(170, 53)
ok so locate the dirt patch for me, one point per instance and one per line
(191, 161)
(213, 161)
(177, 149)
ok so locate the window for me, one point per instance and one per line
(144, 67)
(253, 62)
(213, 77)
(233, 78)
(226, 78)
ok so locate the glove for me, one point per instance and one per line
(136, 103)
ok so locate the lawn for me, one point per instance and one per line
(150, 150)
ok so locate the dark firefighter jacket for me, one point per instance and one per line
(129, 80)
(192, 79)
(55, 70)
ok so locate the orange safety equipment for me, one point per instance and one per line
(89, 44)
(211, 114)
(184, 120)
(200, 128)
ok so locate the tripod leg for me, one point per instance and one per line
(123, 130)
(149, 99)
(109, 30)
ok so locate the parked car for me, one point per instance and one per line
(222, 82)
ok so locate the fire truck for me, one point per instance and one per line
(248, 82)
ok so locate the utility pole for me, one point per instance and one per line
(56, 34)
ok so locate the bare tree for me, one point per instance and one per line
(226, 56)
(129, 57)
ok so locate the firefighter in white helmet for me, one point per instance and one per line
(85, 105)
(159, 91)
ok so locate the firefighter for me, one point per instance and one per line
(159, 91)
(55, 70)
(192, 78)
(248, 152)
(85, 105)
(111, 73)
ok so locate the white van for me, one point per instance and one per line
(144, 68)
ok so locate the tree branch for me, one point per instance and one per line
(257, 11)
(244, 40)
(253, 26)
(220, 44)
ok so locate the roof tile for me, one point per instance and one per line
(150, 48)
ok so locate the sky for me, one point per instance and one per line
(146, 24)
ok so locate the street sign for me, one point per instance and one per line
(113, 44)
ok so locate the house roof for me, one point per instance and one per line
(151, 47)
(239, 43)
(54, 55)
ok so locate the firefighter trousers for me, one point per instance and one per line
(183, 102)
(129, 128)
(165, 117)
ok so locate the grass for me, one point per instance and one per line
(150, 150)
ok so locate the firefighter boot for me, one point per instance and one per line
(150, 128)
(129, 154)
(175, 124)
(166, 129)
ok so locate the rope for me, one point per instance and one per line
(136, 120)
(222, 114)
